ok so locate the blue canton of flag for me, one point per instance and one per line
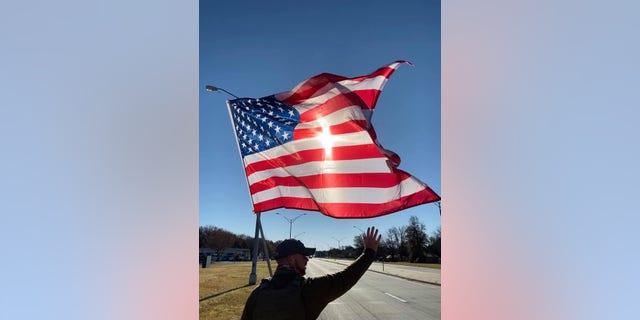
(262, 123)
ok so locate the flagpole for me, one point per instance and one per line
(239, 151)
(256, 241)
(266, 250)
(253, 276)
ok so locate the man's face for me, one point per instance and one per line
(299, 263)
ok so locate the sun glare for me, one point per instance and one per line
(326, 137)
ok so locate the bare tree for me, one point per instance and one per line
(358, 243)
(416, 240)
(202, 237)
(219, 239)
(434, 242)
(216, 238)
(396, 242)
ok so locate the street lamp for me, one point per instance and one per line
(363, 235)
(214, 88)
(339, 247)
(291, 221)
(439, 207)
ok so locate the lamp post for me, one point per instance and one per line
(211, 88)
(291, 221)
(339, 247)
(363, 234)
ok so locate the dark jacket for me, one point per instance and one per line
(314, 295)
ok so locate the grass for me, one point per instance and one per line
(221, 277)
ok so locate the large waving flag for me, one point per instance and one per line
(314, 148)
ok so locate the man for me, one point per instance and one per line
(289, 295)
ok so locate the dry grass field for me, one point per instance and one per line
(224, 289)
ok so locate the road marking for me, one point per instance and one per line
(392, 296)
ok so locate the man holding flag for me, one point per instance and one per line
(288, 295)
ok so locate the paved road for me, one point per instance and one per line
(428, 275)
(379, 296)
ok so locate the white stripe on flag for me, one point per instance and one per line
(396, 64)
(372, 165)
(339, 140)
(341, 116)
(375, 83)
(321, 96)
(332, 90)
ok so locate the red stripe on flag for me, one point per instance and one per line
(368, 210)
(369, 97)
(286, 202)
(312, 85)
(349, 210)
(339, 180)
(366, 151)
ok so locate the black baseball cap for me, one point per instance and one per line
(292, 246)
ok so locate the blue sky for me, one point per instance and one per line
(255, 49)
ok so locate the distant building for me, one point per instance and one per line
(236, 254)
(229, 254)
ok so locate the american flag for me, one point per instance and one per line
(314, 148)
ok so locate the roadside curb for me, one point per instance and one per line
(391, 274)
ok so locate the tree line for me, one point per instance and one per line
(218, 239)
(405, 243)
(409, 243)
